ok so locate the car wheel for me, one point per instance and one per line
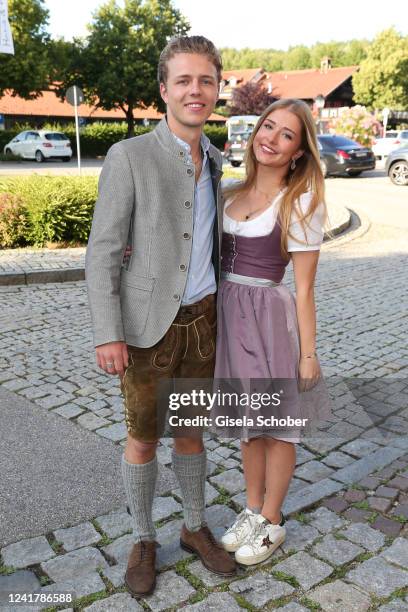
(354, 172)
(323, 166)
(66, 159)
(235, 163)
(398, 173)
(8, 151)
(39, 157)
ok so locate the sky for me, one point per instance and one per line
(257, 23)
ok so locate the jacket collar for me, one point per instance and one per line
(171, 144)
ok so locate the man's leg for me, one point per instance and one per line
(139, 463)
(189, 455)
(190, 467)
(139, 472)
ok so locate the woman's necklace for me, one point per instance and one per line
(269, 198)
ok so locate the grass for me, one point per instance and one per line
(10, 158)
(312, 605)
(372, 517)
(361, 505)
(286, 578)
(401, 518)
(6, 570)
(223, 498)
(244, 603)
(302, 518)
(87, 600)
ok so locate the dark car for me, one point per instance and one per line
(340, 155)
(397, 166)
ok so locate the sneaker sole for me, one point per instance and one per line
(230, 547)
(189, 549)
(261, 556)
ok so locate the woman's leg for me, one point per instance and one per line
(253, 459)
(280, 465)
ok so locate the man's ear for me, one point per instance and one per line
(163, 92)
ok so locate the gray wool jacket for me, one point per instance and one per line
(146, 196)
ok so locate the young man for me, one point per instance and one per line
(154, 313)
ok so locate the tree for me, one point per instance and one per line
(250, 99)
(116, 65)
(297, 58)
(25, 74)
(382, 80)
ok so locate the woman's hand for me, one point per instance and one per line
(309, 373)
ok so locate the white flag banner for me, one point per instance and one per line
(6, 38)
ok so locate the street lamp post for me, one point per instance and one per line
(320, 101)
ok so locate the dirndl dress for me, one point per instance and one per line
(257, 329)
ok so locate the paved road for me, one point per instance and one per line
(348, 548)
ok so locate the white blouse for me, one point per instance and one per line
(310, 238)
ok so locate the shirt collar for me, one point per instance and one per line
(204, 141)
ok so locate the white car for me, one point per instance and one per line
(382, 147)
(40, 145)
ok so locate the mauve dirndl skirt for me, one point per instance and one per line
(257, 338)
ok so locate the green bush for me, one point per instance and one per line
(10, 158)
(56, 208)
(217, 134)
(13, 221)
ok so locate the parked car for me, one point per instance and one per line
(340, 155)
(240, 128)
(40, 145)
(397, 166)
(234, 149)
(382, 147)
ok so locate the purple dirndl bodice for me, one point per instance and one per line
(259, 257)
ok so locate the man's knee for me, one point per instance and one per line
(139, 451)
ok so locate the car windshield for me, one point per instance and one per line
(55, 136)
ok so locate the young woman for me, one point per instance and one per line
(276, 215)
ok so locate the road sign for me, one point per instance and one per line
(75, 96)
(72, 92)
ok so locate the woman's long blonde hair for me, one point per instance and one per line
(307, 176)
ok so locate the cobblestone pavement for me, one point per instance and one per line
(346, 547)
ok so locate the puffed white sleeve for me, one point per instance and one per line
(309, 237)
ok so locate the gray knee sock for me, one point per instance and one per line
(191, 471)
(140, 483)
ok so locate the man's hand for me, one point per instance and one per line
(113, 357)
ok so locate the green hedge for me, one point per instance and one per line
(46, 209)
(96, 138)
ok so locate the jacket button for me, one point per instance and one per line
(187, 204)
(186, 236)
(176, 297)
(190, 171)
(182, 267)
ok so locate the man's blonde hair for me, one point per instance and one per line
(188, 44)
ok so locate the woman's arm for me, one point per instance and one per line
(304, 266)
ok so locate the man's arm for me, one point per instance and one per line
(107, 242)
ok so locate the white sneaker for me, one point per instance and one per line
(236, 535)
(263, 540)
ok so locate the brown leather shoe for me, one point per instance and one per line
(140, 575)
(211, 553)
